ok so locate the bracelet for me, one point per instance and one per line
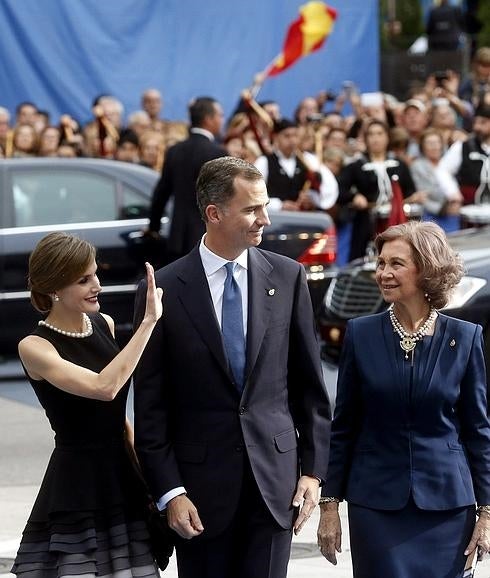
(483, 510)
(330, 499)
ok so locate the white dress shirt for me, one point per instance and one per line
(214, 268)
(203, 131)
(329, 188)
(453, 157)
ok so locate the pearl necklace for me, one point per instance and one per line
(409, 340)
(79, 334)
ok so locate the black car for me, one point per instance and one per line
(107, 203)
(353, 292)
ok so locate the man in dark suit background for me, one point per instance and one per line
(232, 437)
(180, 170)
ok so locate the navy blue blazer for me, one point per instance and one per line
(434, 446)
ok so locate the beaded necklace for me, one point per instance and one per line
(408, 340)
(78, 334)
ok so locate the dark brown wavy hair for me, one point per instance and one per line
(58, 260)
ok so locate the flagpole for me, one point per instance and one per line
(260, 78)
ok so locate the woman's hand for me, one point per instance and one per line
(481, 536)
(417, 197)
(154, 307)
(359, 202)
(329, 532)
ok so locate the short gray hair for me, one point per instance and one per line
(215, 183)
(440, 268)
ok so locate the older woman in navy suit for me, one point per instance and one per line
(410, 448)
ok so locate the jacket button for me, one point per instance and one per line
(242, 410)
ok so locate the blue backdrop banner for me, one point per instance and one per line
(60, 54)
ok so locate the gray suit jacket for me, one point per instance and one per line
(192, 426)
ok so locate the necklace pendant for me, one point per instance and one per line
(407, 343)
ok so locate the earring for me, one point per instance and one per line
(427, 296)
(55, 297)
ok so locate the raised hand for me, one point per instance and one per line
(154, 306)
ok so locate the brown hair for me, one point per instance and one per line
(482, 56)
(58, 260)
(399, 138)
(440, 268)
(215, 184)
(426, 134)
(375, 122)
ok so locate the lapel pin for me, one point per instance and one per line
(452, 343)
(271, 292)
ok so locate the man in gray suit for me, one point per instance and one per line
(232, 418)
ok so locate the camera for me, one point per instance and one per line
(440, 76)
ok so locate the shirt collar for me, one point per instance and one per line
(203, 132)
(281, 156)
(212, 262)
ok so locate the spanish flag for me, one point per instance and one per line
(305, 35)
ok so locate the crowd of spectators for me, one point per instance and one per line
(419, 142)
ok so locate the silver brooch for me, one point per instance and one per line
(271, 292)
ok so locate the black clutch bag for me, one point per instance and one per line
(161, 536)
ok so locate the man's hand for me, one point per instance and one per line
(182, 517)
(307, 492)
(329, 531)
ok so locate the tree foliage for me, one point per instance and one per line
(484, 18)
(407, 26)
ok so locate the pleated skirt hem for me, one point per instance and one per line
(86, 544)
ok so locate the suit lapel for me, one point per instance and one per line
(259, 305)
(437, 351)
(196, 300)
(395, 354)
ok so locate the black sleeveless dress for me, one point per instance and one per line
(88, 517)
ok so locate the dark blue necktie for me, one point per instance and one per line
(232, 326)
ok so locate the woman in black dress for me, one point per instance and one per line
(89, 515)
(367, 183)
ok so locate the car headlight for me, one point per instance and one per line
(464, 291)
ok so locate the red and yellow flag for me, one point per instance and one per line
(305, 35)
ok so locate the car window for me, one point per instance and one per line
(133, 204)
(44, 198)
